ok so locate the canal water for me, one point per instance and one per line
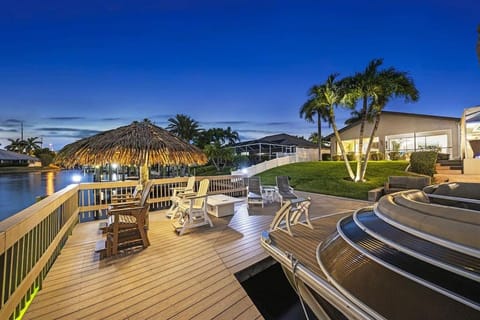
(20, 190)
(273, 296)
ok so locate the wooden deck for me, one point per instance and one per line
(303, 245)
(187, 277)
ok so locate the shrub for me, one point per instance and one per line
(376, 156)
(336, 157)
(241, 161)
(351, 156)
(326, 157)
(394, 155)
(423, 162)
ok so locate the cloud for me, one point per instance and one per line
(59, 132)
(284, 123)
(224, 123)
(112, 119)
(8, 130)
(66, 118)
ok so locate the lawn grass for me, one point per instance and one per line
(331, 177)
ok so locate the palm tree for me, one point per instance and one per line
(184, 127)
(231, 136)
(16, 145)
(374, 88)
(32, 144)
(316, 105)
(394, 84)
(326, 97)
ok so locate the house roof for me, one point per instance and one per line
(280, 139)
(12, 156)
(395, 113)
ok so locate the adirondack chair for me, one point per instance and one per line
(178, 193)
(134, 196)
(192, 210)
(284, 191)
(254, 191)
(127, 225)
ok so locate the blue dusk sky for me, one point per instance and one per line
(70, 69)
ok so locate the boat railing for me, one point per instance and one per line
(31, 240)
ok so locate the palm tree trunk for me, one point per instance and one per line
(342, 148)
(319, 124)
(369, 146)
(360, 141)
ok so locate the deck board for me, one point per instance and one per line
(187, 277)
(303, 245)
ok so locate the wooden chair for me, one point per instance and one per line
(127, 224)
(134, 196)
(192, 210)
(178, 193)
(284, 191)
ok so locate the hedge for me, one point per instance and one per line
(423, 162)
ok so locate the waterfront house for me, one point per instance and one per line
(10, 158)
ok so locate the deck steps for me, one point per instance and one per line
(447, 167)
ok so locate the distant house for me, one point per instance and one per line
(9, 158)
(276, 146)
(405, 133)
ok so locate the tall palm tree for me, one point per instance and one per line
(393, 84)
(316, 106)
(364, 86)
(326, 98)
(184, 127)
(374, 88)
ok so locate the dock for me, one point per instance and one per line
(177, 277)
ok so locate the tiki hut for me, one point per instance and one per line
(140, 143)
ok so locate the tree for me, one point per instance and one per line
(231, 137)
(328, 96)
(374, 88)
(218, 155)
(316, 106)
(219, 136)
(31, 145)
(16, 145)
(184, 127)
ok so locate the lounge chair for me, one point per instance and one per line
(127, 224)
(178, 193)
(192, 210)
(284, 191)
(254, 191)
(290, 214)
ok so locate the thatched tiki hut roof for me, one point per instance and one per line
(140, 143)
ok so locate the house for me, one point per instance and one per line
(470, 140)
(9, 158)
(405, 133)
(276, 146)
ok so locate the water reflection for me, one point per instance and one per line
(20, 190)
(50, 189)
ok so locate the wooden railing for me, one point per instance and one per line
(94, 198)
(31, 240)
